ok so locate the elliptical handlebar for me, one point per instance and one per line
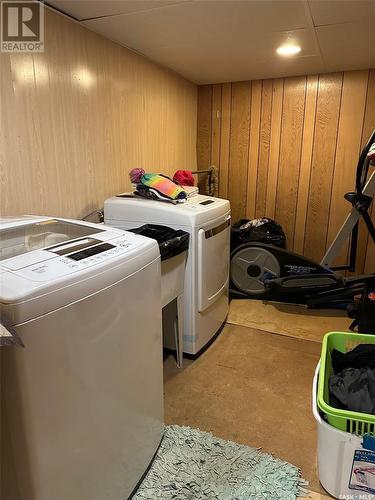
(363, 165)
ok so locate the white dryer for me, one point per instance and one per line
(82, 401)
(207, 219)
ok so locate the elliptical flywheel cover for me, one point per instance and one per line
(250, 267)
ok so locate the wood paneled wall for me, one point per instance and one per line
(76, 118)
(288, 149)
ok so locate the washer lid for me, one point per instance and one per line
(195, 211)
(36, 279)
(21, 236)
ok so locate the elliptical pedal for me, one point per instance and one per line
(297, 284)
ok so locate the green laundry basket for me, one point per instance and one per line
(348, 421)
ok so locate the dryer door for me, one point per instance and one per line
(213, 262)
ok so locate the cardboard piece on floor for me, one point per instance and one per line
(287, 319)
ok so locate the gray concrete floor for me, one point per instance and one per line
(252, 387)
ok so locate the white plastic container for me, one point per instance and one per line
(345, 468)
(172, 287)
(172, 277)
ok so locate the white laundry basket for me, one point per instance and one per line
(346, 469)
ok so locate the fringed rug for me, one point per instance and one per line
(195, 465)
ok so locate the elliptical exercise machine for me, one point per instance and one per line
(265, 271)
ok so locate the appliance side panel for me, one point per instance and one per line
(84, 398)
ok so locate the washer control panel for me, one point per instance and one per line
(77, 260)
(90, 252)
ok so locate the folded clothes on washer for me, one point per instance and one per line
(163, 185)
(352, 385)
(191, 190)
(156, 186)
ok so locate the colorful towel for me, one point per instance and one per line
(164, 186)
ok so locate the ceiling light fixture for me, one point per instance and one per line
(289, 49)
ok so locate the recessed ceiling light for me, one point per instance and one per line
(288, 50)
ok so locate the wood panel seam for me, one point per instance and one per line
(311, 160)
(300, 159)
(334, 158)
(281, 132)
(259, 139)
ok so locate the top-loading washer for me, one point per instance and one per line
(82, 401)
(207, 219)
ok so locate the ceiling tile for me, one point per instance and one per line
(87, 9)
(203, 21)
(196, 38)
(340, 11)
(348, 46)
(227, 62)
(210, 41)
(213, 68)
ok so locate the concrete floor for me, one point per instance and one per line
(252, 387)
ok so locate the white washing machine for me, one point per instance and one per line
(82, 401)
(207, 219)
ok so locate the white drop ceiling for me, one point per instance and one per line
(212, 41)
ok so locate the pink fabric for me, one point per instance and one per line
(184, 178)
(135, 175)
